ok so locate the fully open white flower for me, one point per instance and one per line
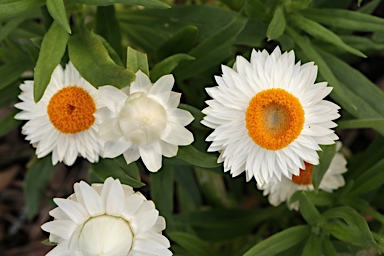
(107, 219)
(63, 121)
(283, 190)
(143, 121)
(269, 116)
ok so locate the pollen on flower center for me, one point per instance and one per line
(71, 110)
(142, 119)
(305, 176)
(106, 235)
(274, 118)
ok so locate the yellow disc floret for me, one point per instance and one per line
(305, 176)
(71, 110)
(274, 118)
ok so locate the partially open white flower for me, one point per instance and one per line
(283, 190)
(107, 219)
(143, 121)
(63, 121)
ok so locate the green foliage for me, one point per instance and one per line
(209, 212)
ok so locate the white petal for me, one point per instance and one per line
(177, 134)
(151, 156)
(112, 97)
(74, 210)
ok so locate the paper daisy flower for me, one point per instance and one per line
(63, 121)
(269, 116)
(107, 219)
(143, 121)
(283, 190)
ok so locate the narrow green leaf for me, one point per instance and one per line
(369, 7)
(91, 58)
(345, 19)
(312, 246)
(167, 65)
(191, 244)
(11, 25)
(195, 157)
(322, 33)
(363, 43)
(52, 50)
(137, 61)
(108, 27)
(325, 156)
(369, 180)
(145, 3)
(212, 50)
(361, 123)
(11, 8)
(8, 123)
(354, 228)
(308, 210)
(280, 241)
(329, 248)
(162, 190)
(36, 181)
(186, 181)
(57, 10)
(110, 168)
(277, 26)
(10, 71)
(181, 42)
(112, 53)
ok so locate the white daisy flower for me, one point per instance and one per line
(107, 219)
(283, 190)
(143, 121)
(63, 121)
(269, 116)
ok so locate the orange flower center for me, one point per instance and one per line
(305, 176)
(71, 110)
(274, 118)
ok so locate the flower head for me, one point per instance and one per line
(63, 121)
(283, 190)
(106, 219)
(269, 116)
(143, 121)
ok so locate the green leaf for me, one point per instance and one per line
(11, 8)
(91, 59)
(49, 243)
(8, 122)
(369, 7)
(10, 71)
(345, 19)
(369, 180)
(320, 32)
(329, 248)
(280, 241)
(36, 181)
(167, 65)
(112, 53)
(191, 244)
(181, 42)
(137, 61)
(277, 26)
(353, 228)
(52, 50)
(308, 210)
(186, 181)
(162, 190)
(108, 27)
(57, 10)
(325, 156)
(195, 157)
(12, 24)
(145, 3)
(313, 246)
(212, 50)
(361, 123)
(113, 168)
